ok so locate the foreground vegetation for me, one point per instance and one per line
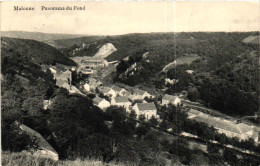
(12, 159)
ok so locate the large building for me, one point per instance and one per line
(90, 62)
(231, 129)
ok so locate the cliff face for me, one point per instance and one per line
(106, 50)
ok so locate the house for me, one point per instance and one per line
(169, 99)
(170, 81)
(140, 94)
(47, 104)
(84, 70)
(86, 87)
(119, 91)
(231, 129)
(189, 71)
(94, 83)
(121, 102)
(65, 76)
(101, 103)
(44, 149)
(107, 91)
(146, 109)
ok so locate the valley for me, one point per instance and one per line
(107, 98)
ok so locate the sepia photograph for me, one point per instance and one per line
(130, 83)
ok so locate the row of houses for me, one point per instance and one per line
(122, 98)
(231, 129)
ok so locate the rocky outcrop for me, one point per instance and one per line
(106, 50)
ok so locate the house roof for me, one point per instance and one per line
(218, 123)
(146, 106)
(244, 128)
(104, 89)
(116, 88)
(121, 99)
(195, 112)
(169, 97)
(97, 100)
(139, 92)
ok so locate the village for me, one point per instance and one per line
(141, 101)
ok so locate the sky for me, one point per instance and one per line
(114, 18)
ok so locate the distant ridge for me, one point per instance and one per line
(39, 36)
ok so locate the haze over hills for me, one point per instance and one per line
(38, 35)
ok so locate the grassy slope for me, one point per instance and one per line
(12, 159)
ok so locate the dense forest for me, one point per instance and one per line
(226, 77)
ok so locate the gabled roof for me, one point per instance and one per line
(139, 92)
(195, 112)
(97, 100)
(121, 99)
(169, 97)
(104, 89)
(218, 123)
(116, 88)
(146, 106)
(244, 128)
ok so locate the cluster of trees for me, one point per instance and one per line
(226, 76)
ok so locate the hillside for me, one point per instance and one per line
(126, 45)
(67, 43)
(38, 35)
(38, 52)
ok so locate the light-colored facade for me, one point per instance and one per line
(169, 99)
(101, 103)
(121, 102)
(86, 87)
(47, 104)
(231, 129)
(91, 62)
(147, 109)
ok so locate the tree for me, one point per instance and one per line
(153, 121)
(214, 154)
(193, 94)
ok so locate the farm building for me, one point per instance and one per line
(121, 102)
(119, 91)
(146, 109)
(140, 94)
(169, 99)
(107, 91)
(91, 62)
(241, 130)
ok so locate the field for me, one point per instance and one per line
(187, 59)
(15, 159)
